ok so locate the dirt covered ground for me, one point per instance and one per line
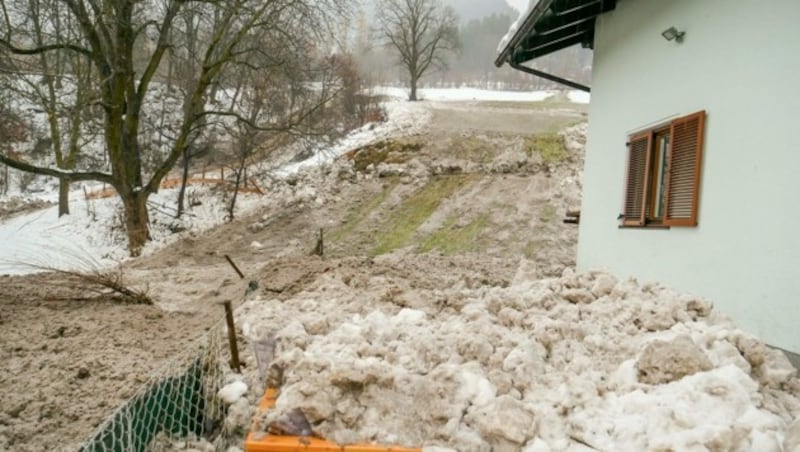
(459, 204)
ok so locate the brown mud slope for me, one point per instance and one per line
(468, 197)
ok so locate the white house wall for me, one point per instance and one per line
(740, 61)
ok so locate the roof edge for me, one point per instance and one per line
(527, 25)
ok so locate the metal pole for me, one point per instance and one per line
(551, 77)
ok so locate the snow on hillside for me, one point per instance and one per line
(92, 236)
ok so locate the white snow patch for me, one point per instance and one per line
(579, 97)
(467, 94)
(485, 95)
(232, 392)
(404, 118)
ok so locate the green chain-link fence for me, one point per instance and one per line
(177, 405)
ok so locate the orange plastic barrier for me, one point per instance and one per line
(108, 192)
(264, 442)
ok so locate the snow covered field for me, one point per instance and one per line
(475, 94)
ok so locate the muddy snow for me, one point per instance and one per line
(444, 313)
(580, 361)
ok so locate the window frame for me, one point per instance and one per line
(680, 190)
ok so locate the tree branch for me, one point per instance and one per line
(42, 49)
(161, 47)
(69, 175)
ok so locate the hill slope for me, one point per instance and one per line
(471, 189)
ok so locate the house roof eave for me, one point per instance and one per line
(527, 25)
(552, 25)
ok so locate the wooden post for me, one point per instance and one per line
(319, 249)
(235, 365)
(238, 272)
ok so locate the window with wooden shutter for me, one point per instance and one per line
(662, 184)
(636, 184)
(683, 170)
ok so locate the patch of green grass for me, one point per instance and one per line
(398, 230)
(547, 213)
(549, 145)
(362, 211)
(453, 239)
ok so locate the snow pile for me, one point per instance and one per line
(404, 118)
(232, 392)
(537, 365)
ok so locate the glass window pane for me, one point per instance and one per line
(663, 147)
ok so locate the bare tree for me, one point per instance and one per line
(282, 86)
(184, 62)
(12, 132)
(116, 34)
(56, 83)
(422, 32)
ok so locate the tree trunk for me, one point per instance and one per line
(136, 221)
(63, 196)
(184, 178)
(413, 96)
(236, 188)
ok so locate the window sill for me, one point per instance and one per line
(647, 226)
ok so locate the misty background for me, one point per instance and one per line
(482, 23)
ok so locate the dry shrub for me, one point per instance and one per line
(106, 283)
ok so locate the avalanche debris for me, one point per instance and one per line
(580, 360)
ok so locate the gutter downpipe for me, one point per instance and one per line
(551, 77)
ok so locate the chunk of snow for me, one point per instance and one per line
(232, 392)
(558, 376)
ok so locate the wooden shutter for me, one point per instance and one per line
(683, 170)
(639, 149)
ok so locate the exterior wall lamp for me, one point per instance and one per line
(672, 33)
